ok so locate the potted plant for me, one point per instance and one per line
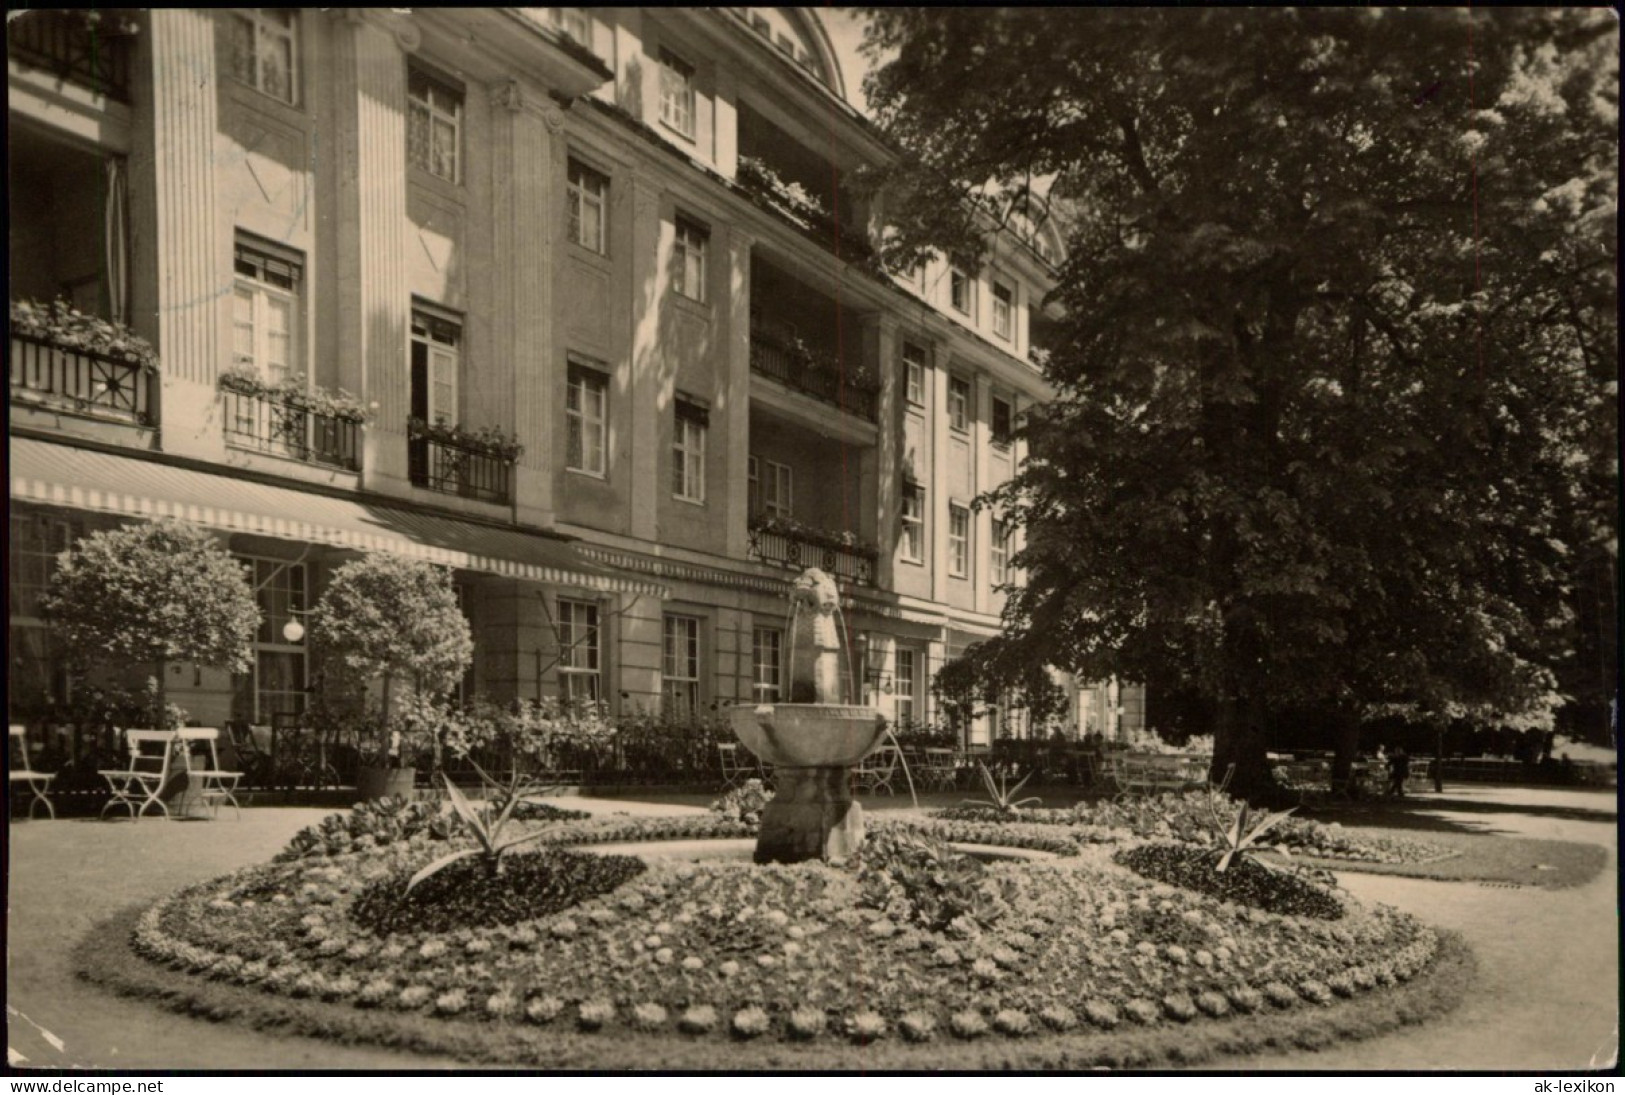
(385, 619)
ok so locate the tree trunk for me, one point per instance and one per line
(1346, 742)
(1239, 740)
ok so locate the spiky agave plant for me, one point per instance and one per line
(485, 825)
(998, 797)
(1239, 835)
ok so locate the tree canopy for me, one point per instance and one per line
(386, 616)
(1335, 368)
(153, 592)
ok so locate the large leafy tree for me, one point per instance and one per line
(1336, 372)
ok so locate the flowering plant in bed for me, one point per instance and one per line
(733, 950)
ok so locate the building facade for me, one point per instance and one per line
(593, 284)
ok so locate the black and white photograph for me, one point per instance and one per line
(813, 540)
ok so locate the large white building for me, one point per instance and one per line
(620, 237)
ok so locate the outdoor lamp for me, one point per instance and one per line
(293, 631)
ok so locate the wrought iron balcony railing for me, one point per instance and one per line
(90, 48)
(464, 470)
(814, 375)
(76, 381)
(778, 543)
(280, 426)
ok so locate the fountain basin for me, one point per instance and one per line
(809, 735)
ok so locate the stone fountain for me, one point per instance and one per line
(814, 740)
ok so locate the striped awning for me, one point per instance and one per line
(105, 482)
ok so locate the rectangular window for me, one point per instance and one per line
(276, 683)
(575, 22)
(38, 673)
(1003, 422)
(903, 683)
(959, 407)
(961, 291)
(913, 523)
(587, 198)
(998, 554)
(265, 50)
(767, 664)
(1004, 304)
(771, 487)
(434, 125)
(688, 453)
(680, 665)
(677, 93)
(914, 374)
(265, 310)
(585, 404)
(688, 259)
(437, 341)
(958, 541)
(579, 652)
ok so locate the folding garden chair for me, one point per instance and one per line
(152, 774)
(247, 755)
(940, 771)
(19, 772)
(735, 770)
(877, 769)
(210, 783)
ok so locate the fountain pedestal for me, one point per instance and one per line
(812, 747)
(812, 816)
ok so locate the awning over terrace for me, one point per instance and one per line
(104, 482)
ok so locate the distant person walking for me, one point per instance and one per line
(1399, 769)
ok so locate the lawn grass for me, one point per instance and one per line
(1485, 857)
(104, 958)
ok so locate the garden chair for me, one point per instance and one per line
(247, 755)
(876, 770)
(940, 769)
(18, 771)
(210, 783)
(734, 769)
(152, 774)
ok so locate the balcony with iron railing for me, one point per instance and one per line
(477, 465)
(52, 373)
(88, 47)
(796, 205)
(283, 423)
(782, 542)
(820, 376)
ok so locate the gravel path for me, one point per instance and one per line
(1547, 996)
(1547, 993)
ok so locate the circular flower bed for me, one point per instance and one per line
(909, 944)
(1189, 816)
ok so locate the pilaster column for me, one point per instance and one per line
(649, 383)
(736, 411)
(981, 520)
(936, 527)
(374, 301)
(529, 166)
(190, 295)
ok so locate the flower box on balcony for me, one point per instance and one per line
(62, 325)
(66, 361)
(293, 419)
(787, 542)
(478, 464)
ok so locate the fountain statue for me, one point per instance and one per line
(814, 740)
